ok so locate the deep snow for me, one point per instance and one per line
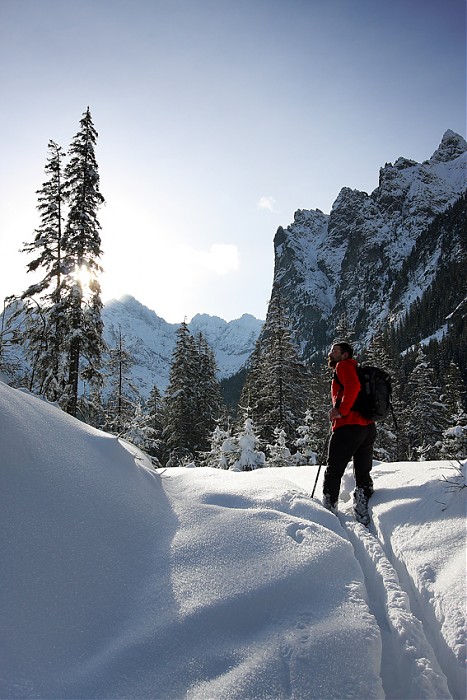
(121, 582)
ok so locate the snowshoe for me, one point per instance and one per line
(328, 504)
(360, 507)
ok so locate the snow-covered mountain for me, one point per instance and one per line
(118, 581)
(151, 340)
(348, 262)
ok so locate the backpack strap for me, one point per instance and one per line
(338, 381)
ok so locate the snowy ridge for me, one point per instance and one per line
(118, 581)
(151, 340)
(349, 261)
(232, 341)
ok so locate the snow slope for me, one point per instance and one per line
(121, 582)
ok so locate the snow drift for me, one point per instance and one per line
(118, 581)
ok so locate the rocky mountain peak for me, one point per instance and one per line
(452, 146)
(404, 163)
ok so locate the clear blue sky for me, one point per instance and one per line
(217, 119)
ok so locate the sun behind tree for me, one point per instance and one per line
(63, 335)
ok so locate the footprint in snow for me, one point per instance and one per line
(297, 532)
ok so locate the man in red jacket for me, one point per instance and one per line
(352, 436)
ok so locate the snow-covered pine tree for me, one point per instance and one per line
(425, 416)
(453, 389)
(254, 382)
(193, 399)
(180, 438)
(154, 424)
(140, 433)
(223, 450)
(277, 382)
(249, 456)
(455, 436)
(279, 453)
(123, 400)
(306, 441)
(47, 243)
(208, 393)
(81, 247)
(45, 332)
(91, 407)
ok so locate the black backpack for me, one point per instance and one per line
(374, 398)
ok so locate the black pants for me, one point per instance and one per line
(347, 442)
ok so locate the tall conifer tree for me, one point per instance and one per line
(82, 251)
(425, 416)
(208, 394)
(277, 383)
(123, 399)
(46, 331)
(193, 399)
(154, 424)
(180, 401)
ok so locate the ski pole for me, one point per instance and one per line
(321, 460)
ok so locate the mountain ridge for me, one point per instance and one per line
(346, 263)
(151, 340)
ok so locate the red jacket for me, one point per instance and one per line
(345, 393)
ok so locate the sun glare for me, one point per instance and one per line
(83, 276)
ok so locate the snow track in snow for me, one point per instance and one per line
(409, 665)
(423, 602)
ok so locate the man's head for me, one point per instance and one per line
(339, 351)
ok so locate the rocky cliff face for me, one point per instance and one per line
(348, 262)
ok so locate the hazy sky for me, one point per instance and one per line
(217, 120)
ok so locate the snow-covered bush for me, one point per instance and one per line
(249, 457)
(454, 444)
(279, 453)
(305, 453)
(224, 450)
